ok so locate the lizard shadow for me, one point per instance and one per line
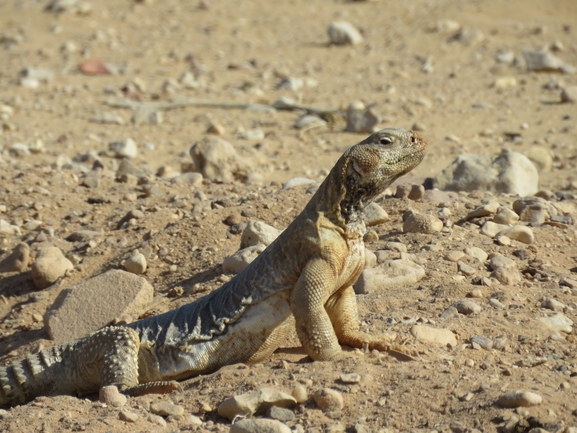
(17, 285)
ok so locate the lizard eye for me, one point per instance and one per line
(385, 140)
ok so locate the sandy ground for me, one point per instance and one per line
(413, 72)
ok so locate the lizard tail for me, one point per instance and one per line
(19, 381)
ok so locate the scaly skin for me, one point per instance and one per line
(303, 279)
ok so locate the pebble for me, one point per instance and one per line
(491, 229)
(361, 119)
(235, 263)
(506, 216)
(258, 232)
(465, 268)
(476, 293)
(481, 341)
(544, 61)
(309, 121)
(136, 264)
(485, 210)
(518, 233)
(396, 246)
(370, 259)
(192, 179)
(343, 33)
(553, 304)
(421, 223)
(297, 181)
(156, 419)
(255, 402)
(417, 192)
(111, 396)
(569, 94)
(126, 415)
(300, 393)
(389, 274)
(559, 322)
(374, 215)
(126, 148)
(49, 266)
(259, 426)
(433, 335)
(166, 408)
(328, 399)
(216, 128)
(350, 378)
(107, 118)
(505, 82)
(466, 306)
(280, 413)
(477, 253)
(7, 229)
(540, 157)
(519, 399)
(18, 259)
(454, 256)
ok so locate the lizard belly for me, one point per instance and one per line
(241, 341)
(353, 266)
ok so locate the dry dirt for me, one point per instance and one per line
(240, 50)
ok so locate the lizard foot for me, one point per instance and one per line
(160, 387)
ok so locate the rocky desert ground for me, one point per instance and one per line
(472, 264)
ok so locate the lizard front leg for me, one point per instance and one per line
(312, 322)
(343, 312)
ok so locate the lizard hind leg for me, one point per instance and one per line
(120, 362)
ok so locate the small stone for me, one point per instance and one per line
(454, 256)
(485, 210)
(417, 192)
(300, 393)
(255, 402)
(465, 268)
(258, 232)
(343, 32)
(111, 396)
(375, 215)
(18, 259)
(559, 322)
(370, 237)
(126, 415)
(49, 266)
(506, 217)
(389, 274)
(466, 306)
(124, 149)
(107, 118)
(396, 246)
(361, 119)
(252, 134)
(216, 129)
(309, 120)
(235, 263)
(157, 419)
(553, 304)
(504, 82)
(518, 233)
(540, 157)
(477, 253)
(432, 335)
(491, 229)
(136, 264)
(422, 223)
(192, 179)
(481, 341)
(297, 181)
(166, 408)
(259, 426)
(370, 259)
(328, 399)
(569, 94)
(519, 398)
(350, 378)
(280, 413)
(545, 61)
(7, 229)
(476, 293)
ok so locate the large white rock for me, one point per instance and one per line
(257, 232)
(509, 173)
(82, 309)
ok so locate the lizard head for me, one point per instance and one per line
(369, 167)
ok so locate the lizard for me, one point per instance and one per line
(302, 281)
